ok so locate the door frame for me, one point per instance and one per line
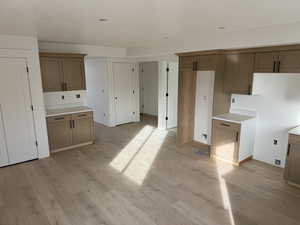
(35, 87)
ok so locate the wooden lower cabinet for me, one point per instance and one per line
(292, 167)
(83, 130)
(225, 141)
(70, 130)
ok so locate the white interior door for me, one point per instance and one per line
(123, 92)
(17, 126)
(204, 106)
(172, 90)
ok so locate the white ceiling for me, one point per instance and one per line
(134, 23)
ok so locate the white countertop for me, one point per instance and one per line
(295, 131)
(232, 117)
(64, 111)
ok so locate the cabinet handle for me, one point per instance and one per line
(225, 125)
(195, 66)
(278, 70)
(71, 124)
(288, 150)
(59, 118)
(237, 137)
(274, 65)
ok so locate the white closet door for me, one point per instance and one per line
(172, 100)
(123, 92)
(17, 125)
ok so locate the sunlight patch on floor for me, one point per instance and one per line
(136, 158)
(223, 169)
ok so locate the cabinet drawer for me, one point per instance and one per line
(294, 139)
(82, 115)
(54, 119)
(226, 125)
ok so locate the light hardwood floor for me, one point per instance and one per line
(135, 175)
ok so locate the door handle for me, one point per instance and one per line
(59, 118)
(225, 125)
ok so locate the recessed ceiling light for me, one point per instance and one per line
(103, 19)
(221, 28)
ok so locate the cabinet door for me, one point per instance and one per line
(83, 128)
(225, 140)
(52, 76)
(206, 62)
(238, 73)
(73, 70)
(289, 62)
(293, 161)
(266, 62)
(186, 62)
(59, 132)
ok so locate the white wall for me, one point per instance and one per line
(54, 100)
(90, 50)
(276, 99)
(149, 87)
(97, 88)
(224, 39)
(27, 47)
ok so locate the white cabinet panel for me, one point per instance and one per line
(172, 90)
(17, 117)
(204, 106)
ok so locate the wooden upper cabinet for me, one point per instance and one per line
(277, 62)
(289, 62)
(266, 62)
(206, 62)
(187, 62)
(238, 73)
(74, 77)
(62, 72)
(52, 76)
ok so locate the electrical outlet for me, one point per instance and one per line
(277, 162)
(275, 142)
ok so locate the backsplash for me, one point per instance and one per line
(65, 99)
